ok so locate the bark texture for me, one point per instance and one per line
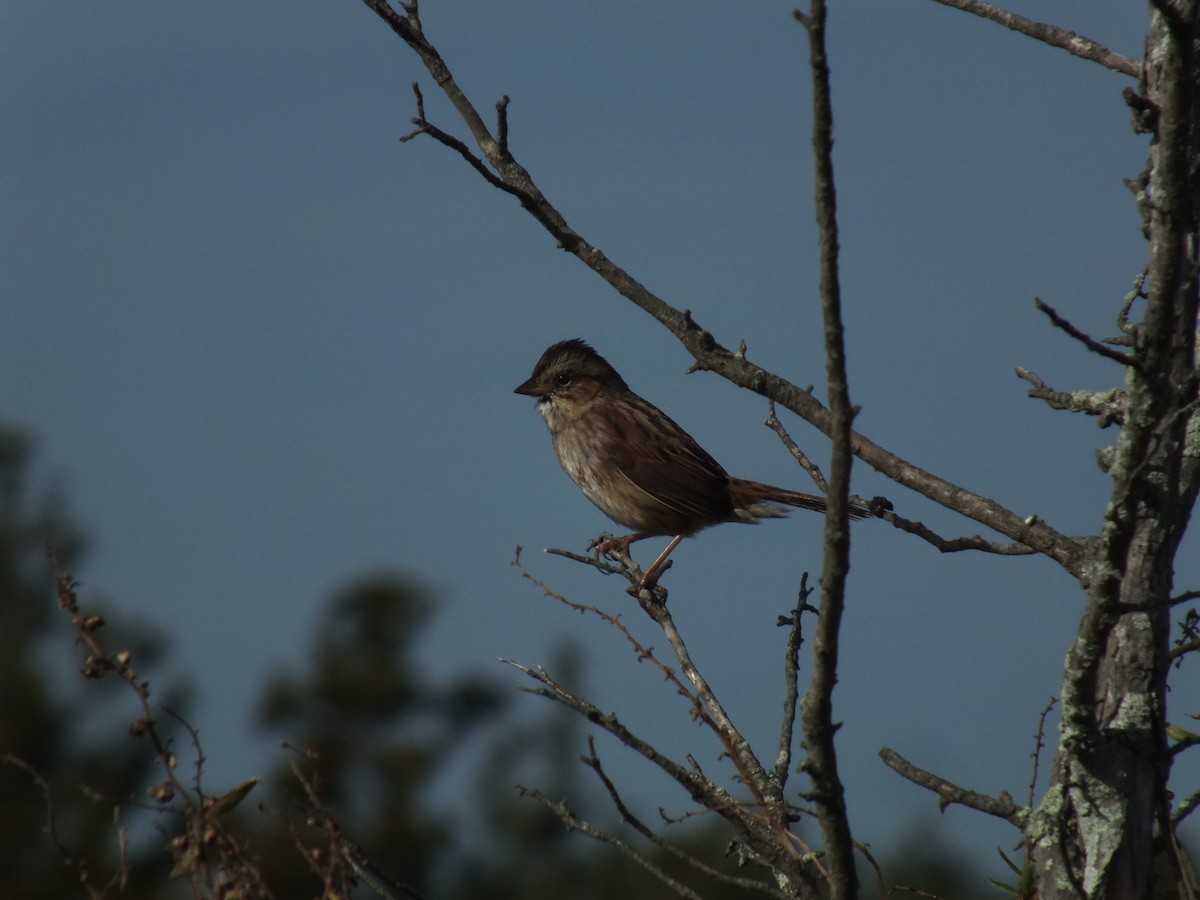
(1093, 835)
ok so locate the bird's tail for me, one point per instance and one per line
(747, 494)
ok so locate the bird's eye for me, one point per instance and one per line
(562, 379)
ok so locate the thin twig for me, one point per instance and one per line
(702, 789)
(592, 761)
(956, 545)
(821, 761)
(813, 470)
(1038, 746)
(1184, 809)
(1082, 47)
(1138, 292)
(575, 823)
(586, 560)
(424, 126)
(870, 858)
(705, 705)
(643, 652)
(1108, 405)
(1183, 649)
(50, 827)
(205, 852)
(949, 793)
(1087, 340)
(791, 673)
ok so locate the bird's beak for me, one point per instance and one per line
(529, 389)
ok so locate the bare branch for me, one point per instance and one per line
(592, 761)
(1087, 340)
(1002, 807)
(51, 829)
(813, 470)
(1038, 746)
(1185, 808)
(764, 824)
(206, 850)
(956, 545)
(597, 564)
(705, 705)
(1108, 405)
(1185, 597)
(342, 852)
(1082, 47)
(791, 673)
(502, 124)
(701, 789)
(1137, 292)
(821, 762)
(644, 653)
(574, 823)
(740, 753)
(424, 126)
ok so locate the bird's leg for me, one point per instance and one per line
(650, 578)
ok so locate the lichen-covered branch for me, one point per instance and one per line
(1093, 835)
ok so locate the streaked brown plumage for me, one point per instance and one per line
(631, 460)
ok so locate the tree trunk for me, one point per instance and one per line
(1093, 834)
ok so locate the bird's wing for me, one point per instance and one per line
(665, 462)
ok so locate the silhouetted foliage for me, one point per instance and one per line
(53, 730)
(380, 733)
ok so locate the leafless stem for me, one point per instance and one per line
(956, 545)
(813, 470)
(598, 564)
(644, 653)
(702, 789)
(742, 756)
(1002, 807)
(575, 823)
(1183, 649)
(762, 825)
(821, 761)
(94, 890)
(1138, 292)
(1185, 597)
(592, 761)
(791, 672)
(1184, 809)
(1087, 340)
(1038, 746)
(705, 704)
(1052, 35)
(340, 850)
(1108, 405)
(206, 851)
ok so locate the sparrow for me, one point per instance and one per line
(633, 462)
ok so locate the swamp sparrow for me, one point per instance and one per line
(640, 468)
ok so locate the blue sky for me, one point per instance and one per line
(269, 349)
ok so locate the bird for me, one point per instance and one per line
(635, 463)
